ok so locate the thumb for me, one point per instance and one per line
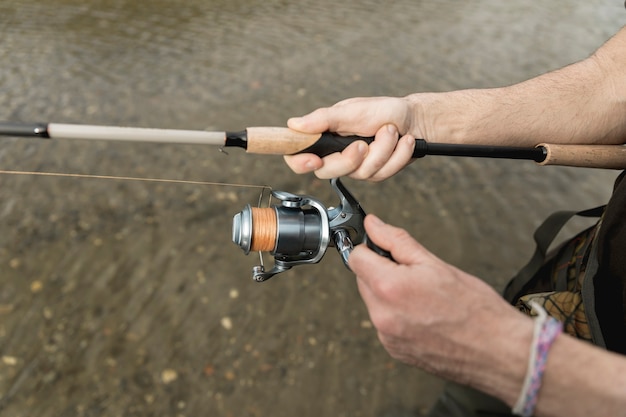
(403, 248)
(314, 122)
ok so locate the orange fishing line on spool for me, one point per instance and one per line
(264, 229)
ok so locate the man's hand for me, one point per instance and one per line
(435, 316)
(385, 118)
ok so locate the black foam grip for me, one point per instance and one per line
(331, 142)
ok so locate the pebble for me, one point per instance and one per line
(9, 360)
(36, 286)
(209, 370)
(15, 263)
(227, 323)
(227, 196)
(234, 293)
(168, 376)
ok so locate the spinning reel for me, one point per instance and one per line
(300, 229)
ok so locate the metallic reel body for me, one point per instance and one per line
(299, 230)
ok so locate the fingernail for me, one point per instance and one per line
(362, 148)
(312, 165)
(392, 129)
(294, 120)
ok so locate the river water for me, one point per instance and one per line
(120, 298)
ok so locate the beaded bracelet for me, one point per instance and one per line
(545, 332)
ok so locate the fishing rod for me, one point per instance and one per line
(300, 228)
(284, 141)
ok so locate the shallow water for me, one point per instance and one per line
(122, 298)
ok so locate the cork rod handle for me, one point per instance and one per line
(587, 156)
(284, 141)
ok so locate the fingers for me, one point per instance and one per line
(379, 152)
(334, 165)
(379, 165)
(303, 163)
(361, 116)
(383, 117)
(345, 162)
(314, 122)
(404, 249)
(383, 158)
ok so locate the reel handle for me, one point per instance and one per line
(373, 246)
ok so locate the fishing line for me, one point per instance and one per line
(260, 205)
(263, 188)
(122, 178)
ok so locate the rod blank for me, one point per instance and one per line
(115, 133)
(135, 134)
(284, 141)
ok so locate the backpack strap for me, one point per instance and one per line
(544, 236)
(571, 255)
(589, 298)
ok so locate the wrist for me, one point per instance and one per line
(500, 368)
(546, 330)
(456, 116)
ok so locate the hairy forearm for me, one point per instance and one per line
(582, 103)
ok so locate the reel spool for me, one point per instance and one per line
(278, 230)
(300, 229)
(295, 232)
